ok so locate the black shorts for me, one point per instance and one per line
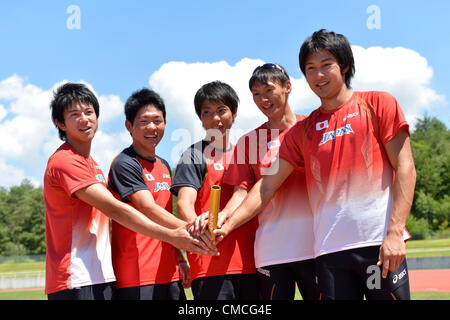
(160, 291)
(226, 287)
(353, 274)
(103, 291)
(277, 282)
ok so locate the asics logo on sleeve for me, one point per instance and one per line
(351, 115)
(331, 135)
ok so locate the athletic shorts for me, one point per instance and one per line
(160, 291)
(353, 274)
(103, 291)
(226, 287)
(277, 282)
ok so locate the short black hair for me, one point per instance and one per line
(142, 98)
(268, 72)
(67, 94)
(216, 91)
(336, 44)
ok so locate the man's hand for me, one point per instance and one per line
(202, 230)
(199, 230)
(200, 224)
(222, 218)
(392, 253)
(223, 231)
(184, 273)
(181, 238)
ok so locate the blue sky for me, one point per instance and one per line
(175, 46)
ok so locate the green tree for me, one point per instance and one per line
(3, 227)
(22, 220)
(430, 144)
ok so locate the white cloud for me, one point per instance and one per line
(106, 146)
(3, 112)
(177, 83)
(110, 107)
(28, 122)
(10, 175)
(12, 87)
(28, 136)
(302, 100)
(402, 72)
(22, 137)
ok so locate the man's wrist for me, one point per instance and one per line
(230, 224)
(396, 231)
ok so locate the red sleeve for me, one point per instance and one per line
(290, 149)
(240, 172)
(390, 117)
(72, 174)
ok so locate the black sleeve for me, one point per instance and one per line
(191, 169)
(126, 177)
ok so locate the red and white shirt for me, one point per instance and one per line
(78, 243)
(285, 231)
(200, 167)
(348, 173)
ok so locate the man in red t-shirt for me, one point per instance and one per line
(284, 238)
(360, 175)
(231, 275)
(78, 206)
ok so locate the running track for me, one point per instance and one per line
(436, 280)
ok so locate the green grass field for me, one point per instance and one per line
(414, 249)
(39, 295)
(428, 248)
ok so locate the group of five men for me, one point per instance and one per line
(310, 201)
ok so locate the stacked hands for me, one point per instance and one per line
(201, 236)
(195, 237)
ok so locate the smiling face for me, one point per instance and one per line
(80, 123)
(324, 76)
(147, 130)
(271, 98)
